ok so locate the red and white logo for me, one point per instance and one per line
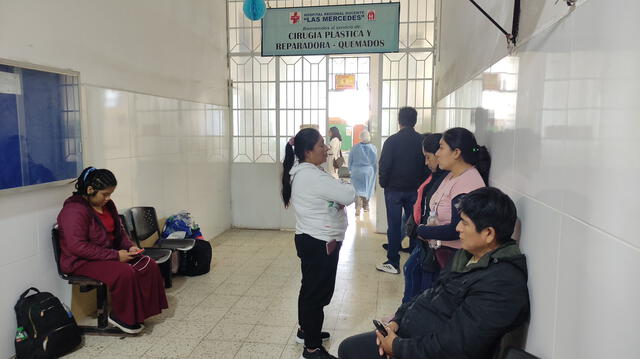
(294, 17)
(371, 15)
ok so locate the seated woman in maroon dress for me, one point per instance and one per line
(94, 244)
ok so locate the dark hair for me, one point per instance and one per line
(489, 207)
(334, 132)
(407, 117)
(98, 179)
(431, 142)
(475, 155)
(304, 141)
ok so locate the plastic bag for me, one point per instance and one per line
(182, 221)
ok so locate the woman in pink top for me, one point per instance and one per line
(468, 165)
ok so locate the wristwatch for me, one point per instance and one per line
(438, 244)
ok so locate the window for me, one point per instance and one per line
(273, 97)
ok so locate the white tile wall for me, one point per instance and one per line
(26, 259)
(571, 163)
(171, 49)
(165, 153)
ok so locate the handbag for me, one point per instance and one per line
(429, 260)
(343, 172)
(338, 162)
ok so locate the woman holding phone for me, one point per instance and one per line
(319, 202)
(94, 244)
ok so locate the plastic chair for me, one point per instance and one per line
(145, 224)
(516, 338)
(87, 284)
(160, 255)
(514, 353)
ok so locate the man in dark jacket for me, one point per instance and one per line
(401, 169)
(479, 297)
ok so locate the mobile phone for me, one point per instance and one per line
(380, 328)
(138, 252)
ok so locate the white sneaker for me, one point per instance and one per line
(387, 268)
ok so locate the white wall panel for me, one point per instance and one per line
(26, 219)
(469, 42)
(256, 198)
(169, 170)
(160, 47)
(570, 162)
(598, 295)
(165, 48)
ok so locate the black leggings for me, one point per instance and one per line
(361, 346)
(318, 282)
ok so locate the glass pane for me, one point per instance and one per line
(394, 66)
(265, 149)
(363, 65)
(351, 65)
(256, 39)
(420, 65)
(242, 149)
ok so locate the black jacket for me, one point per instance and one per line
(402, 165)
(469, 309)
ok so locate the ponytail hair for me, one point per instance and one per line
(297, 146)
(484, 163)
(98, 179)
(289, 158)
(471, 152)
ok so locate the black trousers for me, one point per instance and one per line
(318, 282)
(361, 346)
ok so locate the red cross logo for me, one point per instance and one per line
(295, 17)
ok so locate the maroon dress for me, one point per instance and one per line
(89, 243)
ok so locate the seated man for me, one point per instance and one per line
(481, 295)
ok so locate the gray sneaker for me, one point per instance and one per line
(388, 268)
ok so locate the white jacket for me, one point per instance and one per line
(318, 201)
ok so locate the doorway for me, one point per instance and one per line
(349, 98)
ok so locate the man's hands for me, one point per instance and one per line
(385, 344)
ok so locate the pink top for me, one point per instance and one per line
(449, 189)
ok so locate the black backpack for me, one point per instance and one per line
(197, 260)
(51, 330)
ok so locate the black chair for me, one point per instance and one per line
(513, 353)
(515, 338)
(87, 284)
(160, 255)
(145, 225)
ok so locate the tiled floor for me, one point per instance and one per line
(246, 307)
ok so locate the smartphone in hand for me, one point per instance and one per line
(138, 252)
(380, 328)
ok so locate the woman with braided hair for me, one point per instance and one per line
(94, 244)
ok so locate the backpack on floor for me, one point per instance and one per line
(50, 330)
(197, 260)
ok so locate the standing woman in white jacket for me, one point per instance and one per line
(335, 141)
(318, 200)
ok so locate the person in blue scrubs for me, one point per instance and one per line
(363, 164)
